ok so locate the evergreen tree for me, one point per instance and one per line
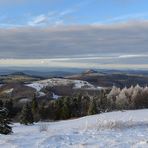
(35, 109)
(4, 122)
(66, 109)
(74, 107)
(9, 105)
(26, 115)
(34, 104)
(92, 108)
(84, 105)
(58, 108)
(42, 111)
(1, 103)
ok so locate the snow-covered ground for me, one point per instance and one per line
(58, 81)
(54, 96)
(77, 84)
(8, 91)
(109, 130)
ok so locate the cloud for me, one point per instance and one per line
(54, 64)
(124, 18)
(59, 22)
(41, 19)
(51, 18)
(122, 44)
(66, 12)
(134, 56)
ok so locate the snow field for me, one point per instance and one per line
(108, 130)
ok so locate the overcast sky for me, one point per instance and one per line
(79, 33)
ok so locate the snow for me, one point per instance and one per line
(41, 94)
(77, 84)
(55, 96)
(81, 84)
(36, 86)
(122, 129)
(100, 87)
(8, 91)
(24, 100)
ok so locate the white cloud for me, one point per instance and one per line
(134, 56)
(41, 19)
(59, 22)
(125, 18)
(50, 63)
(51, 18)
(66, 12)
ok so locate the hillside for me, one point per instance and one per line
(115, 129)
(18, 77)
(108, 79)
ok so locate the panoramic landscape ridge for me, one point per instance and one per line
(73, 74)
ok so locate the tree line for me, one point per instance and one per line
(75, 106)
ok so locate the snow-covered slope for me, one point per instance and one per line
(8, 91)
(109, 130)
(58, 81)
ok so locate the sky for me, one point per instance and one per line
(102, 34)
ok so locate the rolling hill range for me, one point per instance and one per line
(21, 87)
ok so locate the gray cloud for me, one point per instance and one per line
(120, 43)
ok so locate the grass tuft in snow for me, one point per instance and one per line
(43, 127)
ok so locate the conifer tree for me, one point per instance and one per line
(34, 104)
(9, 105)
(26, 115)
(1, 103)
(35, 108)
(65, 109)
(4, 122)
(42, 111)
(58, 108)
(92, 108)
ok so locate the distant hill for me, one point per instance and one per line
(90, 71)
(104, 78)
(108, 79)
(18, 77)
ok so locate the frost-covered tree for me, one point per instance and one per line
(141, 97)
(111, 97)
(145, 89)
(137, 92)
(5, 122)
(130, 91)
(122, 100)
(114, 93)
(129, 98)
